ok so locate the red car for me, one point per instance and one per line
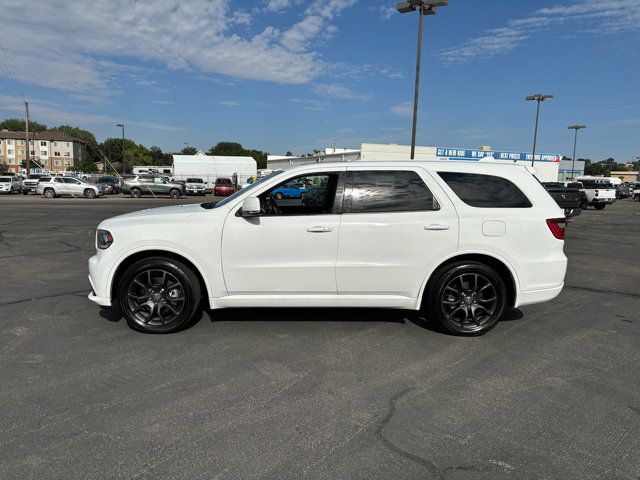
(223, 187)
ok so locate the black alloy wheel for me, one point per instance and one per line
(467, 298)
(159, 295)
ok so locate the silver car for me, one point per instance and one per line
(139, 185)
(52, 187)
(10, 184)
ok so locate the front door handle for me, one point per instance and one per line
(319, 229)
(436, 226)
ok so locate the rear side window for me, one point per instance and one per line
(387, 191)
(485, 191)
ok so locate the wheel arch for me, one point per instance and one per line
(126, 262)
(499, 265)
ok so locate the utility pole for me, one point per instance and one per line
(26, 131)
(425, 7)
(538, 97)
(124, 160)
(575, 141)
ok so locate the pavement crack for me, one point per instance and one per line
(44, 297)
(599, 290)
(395, 448)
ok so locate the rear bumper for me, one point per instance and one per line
(603, 200)
(538, 296)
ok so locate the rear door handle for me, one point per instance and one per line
(319, 229)
(436, 226)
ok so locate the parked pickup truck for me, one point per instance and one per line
(568, 197)
(598, 195)
(30, 183)
(636, 191)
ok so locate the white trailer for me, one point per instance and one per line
(210, 167)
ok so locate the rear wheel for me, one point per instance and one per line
(135, 193)
(599, 206)
(49, 192)
(467, 298)
(159, 295)
(90, 193)
(174, 193)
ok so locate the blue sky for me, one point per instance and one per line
(281, 75)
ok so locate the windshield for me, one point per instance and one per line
(5, 180)
(247, 189)
(34, 175)
(194, 180)
(223, 181)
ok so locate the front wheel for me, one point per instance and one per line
(49, 192)
(467, 298)
(135, 193)
(599, 206)
(174, 193)
(159, 295)
(89, 193)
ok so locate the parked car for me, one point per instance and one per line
(10, 184)
(636, 192)
(599, 195)
(52, 187)
(195, 186)
(567, 197)
(223, 187)
(29, 184)
(139, 185)
(290, 190)
(111, 184)
(459, 241)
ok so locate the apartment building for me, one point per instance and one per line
(52, 150)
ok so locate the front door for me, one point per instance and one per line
(291, 247)
(397, 225)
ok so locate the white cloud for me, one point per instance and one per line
(404, 109)
(384, 11)
(162, 102)
(61, 44)
(278, 5)
(309, 104)
(228, 103)
(338, 91)
(595, 16)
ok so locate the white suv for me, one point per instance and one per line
(459, 240)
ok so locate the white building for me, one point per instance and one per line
(546, 165)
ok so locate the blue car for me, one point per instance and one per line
(289, 190)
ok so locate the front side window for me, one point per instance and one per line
(310, 194)
(485, 191)
(377, 191)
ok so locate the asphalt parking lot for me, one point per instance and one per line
(552, 392)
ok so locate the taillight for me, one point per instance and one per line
(597, 192)
(557, 226)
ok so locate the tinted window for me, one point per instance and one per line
(387, 191)
(194, 180)
(224, 181)
(487, 191)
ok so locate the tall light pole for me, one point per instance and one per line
(575, 140)
(425, 7)
(124, 160)
(539, 97)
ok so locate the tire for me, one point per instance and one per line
(174, 193)
(467, 298)
(279, 196)
(25, 192)
(89, 193)
(599, 206)
(135, 193)
(49, 192)
(144, 303)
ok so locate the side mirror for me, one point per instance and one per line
(251, 207)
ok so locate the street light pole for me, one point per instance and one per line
(575, 140)
(124, 160)
(425, 7)
(539, 97)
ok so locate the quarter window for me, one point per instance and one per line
(387, 191)
(485, 191)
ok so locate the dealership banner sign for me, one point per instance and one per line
(461, 154)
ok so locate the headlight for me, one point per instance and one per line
(104, 239)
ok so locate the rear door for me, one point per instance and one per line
(397, 225)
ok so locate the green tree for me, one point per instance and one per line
(18, 125)
(159, 157)
(4, 168)
(289, 153)
(234, 149)
(188, 151)
(134, 154)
